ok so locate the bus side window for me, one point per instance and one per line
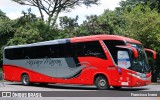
(84, 49)
(15, 53)
(57, 51)
(76, 49)
(30, 52)
(94, 49)
(53, 51)
(63, 52)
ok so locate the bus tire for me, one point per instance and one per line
(117, 87)
(25, 80)
(101, 83)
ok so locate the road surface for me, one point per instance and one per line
(79, 92)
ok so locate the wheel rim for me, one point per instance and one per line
(102, 82)
(25, 80)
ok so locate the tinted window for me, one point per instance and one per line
(92, 48)
(14, 53)
(111, 45)
(81, 49)
(36, 52)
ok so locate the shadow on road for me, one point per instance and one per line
(80, 87)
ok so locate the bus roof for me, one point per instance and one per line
(103, 37)
(58, 41)
(78, 39)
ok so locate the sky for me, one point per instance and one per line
(14, 10)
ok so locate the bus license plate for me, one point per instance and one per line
(124, 83)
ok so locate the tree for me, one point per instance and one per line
(68, 25)
(129, 4)
(108, 23)
(6, 32)
(3, 15)
(90, 26)
(30, 29)
(143, 23)
(53, 7)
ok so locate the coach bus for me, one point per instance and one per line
(100, 60)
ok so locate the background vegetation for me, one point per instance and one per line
(138, 19)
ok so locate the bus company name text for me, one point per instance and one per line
(38, 62)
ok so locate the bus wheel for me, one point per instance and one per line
(117, 87)
(25, 80)
(101, 83)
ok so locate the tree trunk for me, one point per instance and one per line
(42, 17)
(50, 18)
(55, 19)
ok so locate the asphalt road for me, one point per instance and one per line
(66, 92)
(17, 86)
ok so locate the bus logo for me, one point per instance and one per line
(6, 94)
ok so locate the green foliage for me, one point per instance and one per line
(109, 23)
(3, 15)
(5, 26)
(110, 20)
(6, 31)
(129, 4)
(30, 29)
(91, 26)
(143, 24)
(69, 25)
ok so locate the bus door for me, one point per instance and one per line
(87, 56)
(121, 61)
(124, 63)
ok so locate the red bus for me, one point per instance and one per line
(100, 60)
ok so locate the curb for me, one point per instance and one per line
(158, 83)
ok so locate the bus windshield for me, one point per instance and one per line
(140, 64)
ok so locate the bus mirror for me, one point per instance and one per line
(151, 51)
(134, 50)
